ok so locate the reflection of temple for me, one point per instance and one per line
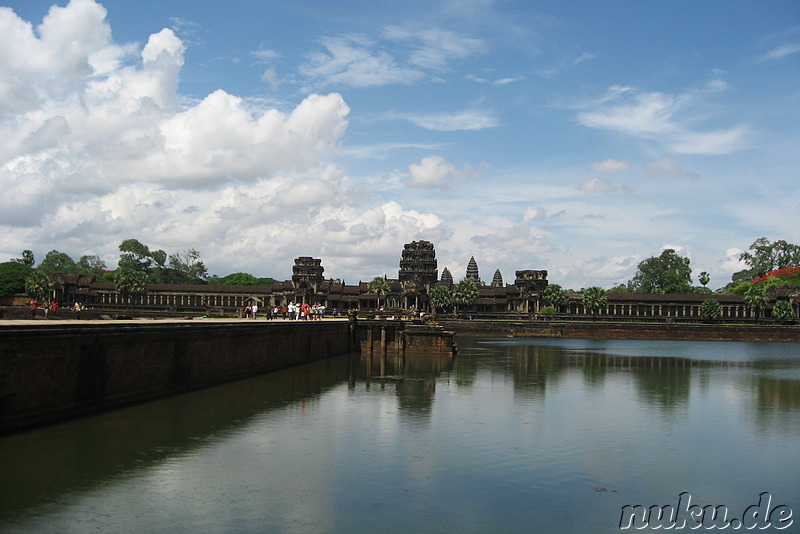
(417, 275)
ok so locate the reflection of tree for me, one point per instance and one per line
(775, 398)
(663, 382)
(535, 367)
(594, 369)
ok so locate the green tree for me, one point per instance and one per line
(186, 267)
(12, 277)
(378, 286)
(135, 256)
(465, 293)
(57, 262)
(130, 283)
(783, 311)
(553, 295)
(547, 312)
(755, 298)
(38, 284)
(594, 299)
(27, 258)
(441, 297)
(90, 265)
(667, 273)
(711, 309)
(764, 256)
(239, 279)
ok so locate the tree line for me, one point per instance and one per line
(770, 265)
(137, 267)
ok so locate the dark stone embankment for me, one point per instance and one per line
(613, 330)
(51, 371)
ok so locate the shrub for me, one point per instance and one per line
(711, 309)
(548, 312)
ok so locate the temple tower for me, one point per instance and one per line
(418, 265)
(472, 271)
(497, 280)
(307, 272)
(447, 278)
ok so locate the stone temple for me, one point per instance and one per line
(417, 276)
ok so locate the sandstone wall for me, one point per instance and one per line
(50, 373)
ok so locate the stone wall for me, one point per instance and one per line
(610, 330)
(54, 372)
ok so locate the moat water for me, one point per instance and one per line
(512, 436)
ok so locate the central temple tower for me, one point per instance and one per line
(418, 265)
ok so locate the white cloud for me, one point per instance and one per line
(265, 55)
(783, 51)
(451, 122)
(602, 271)
(661, 118)
(434, 171)
(355, 61)
(434, 48)
(610, 166)
(54, 63)
(521, 242)
(498, 82)
(670, 166)
(583, 57)
(596, 185)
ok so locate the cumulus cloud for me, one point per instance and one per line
(521, 241)
(91, 116)
(435, 171)
(605, 272)
(661, 118)
(97, 147)
(52, 60)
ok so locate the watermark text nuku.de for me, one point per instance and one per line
(763, 515)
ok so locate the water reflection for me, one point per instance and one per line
(661, 373)
(40, 465)
(512, 435)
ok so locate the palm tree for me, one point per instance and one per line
(711, 309)
(553, 295)
(755, 298)
(783, 311)
(594, 299)
(704, 278)
(38, 284)
(378, 286)
(441, 297)
(465, 293)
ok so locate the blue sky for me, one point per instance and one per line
(577, 137)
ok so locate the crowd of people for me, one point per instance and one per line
(291, 311)
(51, 307)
